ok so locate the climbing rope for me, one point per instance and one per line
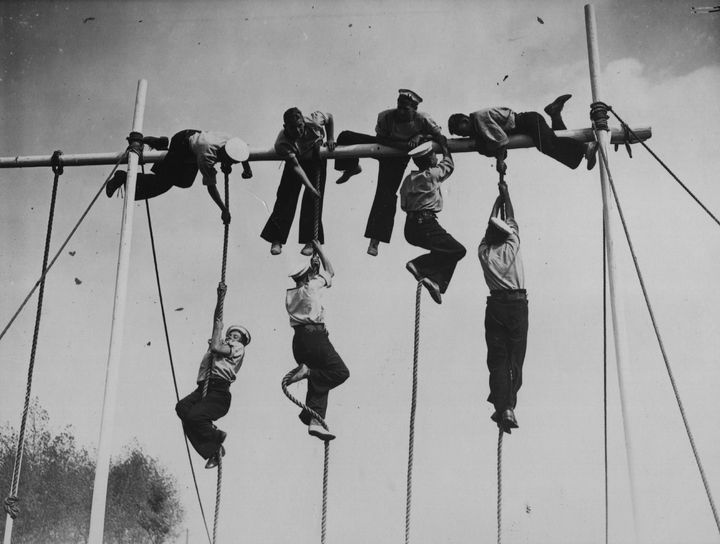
(63, 245)
(218, 492)
(627, 129)
(413, 406)
(11, 502)
(226, 169)
(172, 364)
(326, 462)
(499, 485)
(317, 173)
(660, 342)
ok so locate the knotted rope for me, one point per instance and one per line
(413, 406)
(326, 462)
(11, 502)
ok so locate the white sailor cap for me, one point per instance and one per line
(237, 149)
(501, 225)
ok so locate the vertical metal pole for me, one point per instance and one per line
(102, 467)
(616, 305)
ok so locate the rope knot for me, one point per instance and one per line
(135, 144)
(599, 115)
(226, 167)
(11, 506)
(56, 162)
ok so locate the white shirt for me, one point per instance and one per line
(223, 366)
(502, 264)
(303, 303)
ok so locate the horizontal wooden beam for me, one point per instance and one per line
(457, 145)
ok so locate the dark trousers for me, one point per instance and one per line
(506, 327)
(311, 346)
(278, 224)
(198, 413)
(390, 174)
(445, 251)
(177, 169)
(568, 151)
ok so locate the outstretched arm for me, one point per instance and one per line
(299, 172)
(330, 132)
(215, 195)
(327, 265)
(505, 196)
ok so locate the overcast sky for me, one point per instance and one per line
(68, 75)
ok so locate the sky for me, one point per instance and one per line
(68, 76)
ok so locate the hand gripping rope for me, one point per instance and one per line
(11, 502)
(286, 378)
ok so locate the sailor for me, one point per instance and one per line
(402, 127)
(506, 313)
(189, 151)
(421, 198)
(492, 127)
(298, 144)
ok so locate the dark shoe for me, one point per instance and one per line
(413, 270)
(556, 106)
(373, 247)
(347, 174)
(433, 289)
(214, 459)
(161, 143)
(591, 150)
(316, 429)
(117, 181)
(508, 420)
(307, 250)
(275, 248)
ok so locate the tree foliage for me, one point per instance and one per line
(56, 482)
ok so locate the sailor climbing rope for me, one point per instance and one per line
(421, 199)
(317, 360)
(506, 314)
(221, 363)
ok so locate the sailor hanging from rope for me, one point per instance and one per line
(403, 127)
(219, 366)
(490, 128)
(421, 199)
(189, 151)
(298, 144)
(317, 360)
(506, 314)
